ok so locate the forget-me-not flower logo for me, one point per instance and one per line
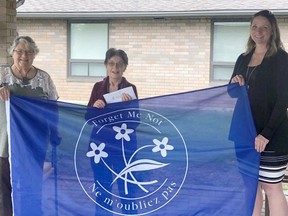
(162, 146)
(97, 152)
(131, 164)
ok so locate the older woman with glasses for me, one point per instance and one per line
(116, 62)
(23, 79)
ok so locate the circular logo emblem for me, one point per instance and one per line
(130, 161)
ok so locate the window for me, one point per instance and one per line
(88, 45)
(229, 41)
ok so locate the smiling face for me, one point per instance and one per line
(115, 67)
(23, 57)
(260, 30)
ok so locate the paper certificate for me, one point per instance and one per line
(114, 97)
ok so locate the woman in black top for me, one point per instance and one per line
(263, 68)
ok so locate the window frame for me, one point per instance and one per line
(71, 61)
(224, 64)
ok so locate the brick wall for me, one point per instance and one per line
(7, 27)
(165, 56)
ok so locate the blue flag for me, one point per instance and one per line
(190, 153)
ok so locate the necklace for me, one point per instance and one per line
(249, 73)
(24, 79)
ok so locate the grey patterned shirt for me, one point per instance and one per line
(40, 86)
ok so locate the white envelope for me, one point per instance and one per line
(114, 97)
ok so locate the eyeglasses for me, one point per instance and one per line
(22, 52)
(118, 65)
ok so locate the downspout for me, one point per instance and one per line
(19, 3)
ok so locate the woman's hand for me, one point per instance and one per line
(260, 143)
(99, 104)
(239, 79)
(126, 97)
(4, 93)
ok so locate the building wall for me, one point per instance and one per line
(7, 28)
(283, 26)
(165, 56)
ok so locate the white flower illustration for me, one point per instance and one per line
(97, 152)
(162, 146)
(131, 164)
(122, 132)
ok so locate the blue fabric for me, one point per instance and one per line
(190, 153)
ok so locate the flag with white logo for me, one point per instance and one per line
(190, 153)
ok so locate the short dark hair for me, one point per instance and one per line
(116, 52)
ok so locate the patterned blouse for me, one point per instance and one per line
(40, 86)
